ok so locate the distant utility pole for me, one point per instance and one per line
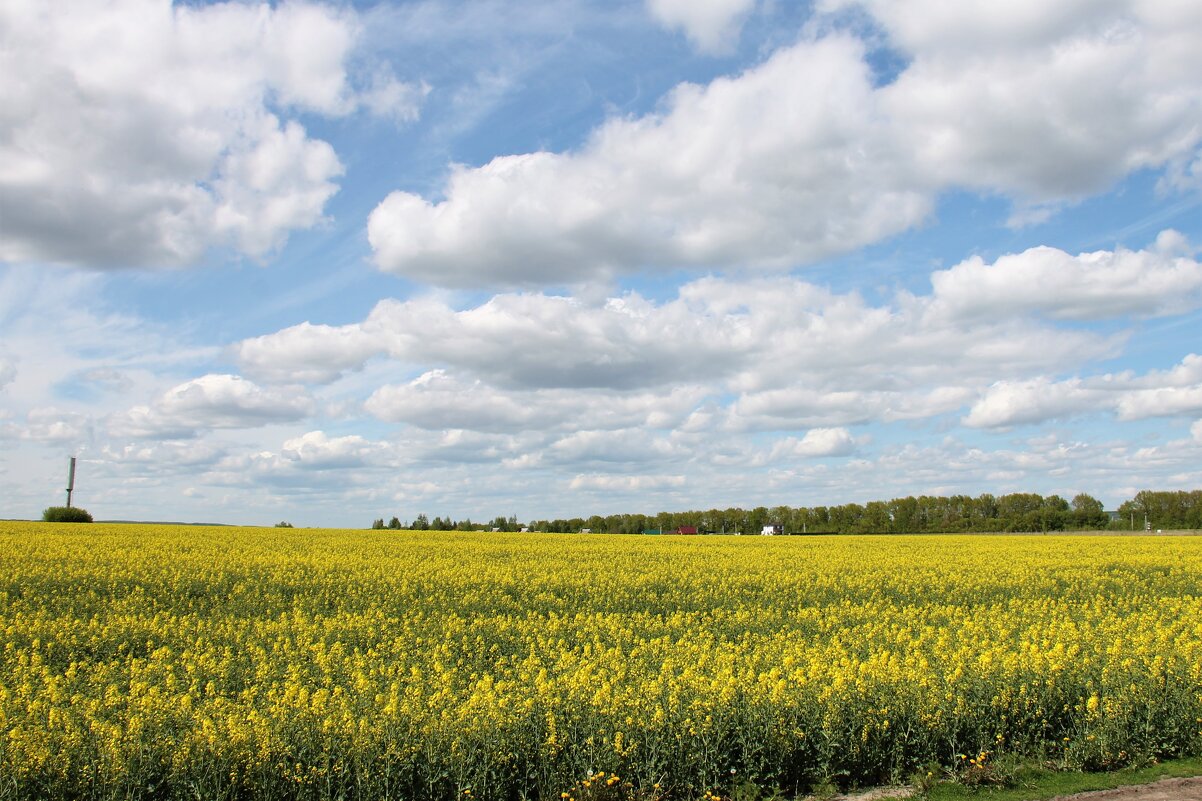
(70, 481)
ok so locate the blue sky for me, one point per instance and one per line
(332, 262)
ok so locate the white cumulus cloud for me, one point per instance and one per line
(515, 340)
(8, 371)
(49, 424)
(307, 353)
(1161, 402)
(817, 442)
(211, 402)
(138, 132)
(1044, 101)
(612, 483)
(711, 25)
(1103, 284)
(439, 399)
(755, 336)
(806, 156)
(318, 450)
(1176, 392)
(787, 162)
(1009, 403)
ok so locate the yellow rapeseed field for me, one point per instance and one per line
(227, 663)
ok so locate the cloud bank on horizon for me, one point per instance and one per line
(333, 263)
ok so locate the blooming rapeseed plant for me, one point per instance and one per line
(161, 662)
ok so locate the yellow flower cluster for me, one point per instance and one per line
(165, 662)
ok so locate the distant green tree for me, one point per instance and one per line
(394, 523)
(904, 513)
(1168, 509)
(378, 523)
(959, 512)
(1055, 513)
(283, 524)
(985, 512)
(876, 518)
(1020, 511)
(1088, 512)
(420, 523)
(845, 518)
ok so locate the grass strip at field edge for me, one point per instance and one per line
(1039, 784)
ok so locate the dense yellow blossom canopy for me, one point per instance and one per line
(153, 661)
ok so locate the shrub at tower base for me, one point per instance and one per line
(66, 514)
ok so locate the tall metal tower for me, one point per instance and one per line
(70, 481)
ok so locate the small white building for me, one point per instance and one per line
(773, 528)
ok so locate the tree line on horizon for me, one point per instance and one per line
(925, 514)
(423, 523)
